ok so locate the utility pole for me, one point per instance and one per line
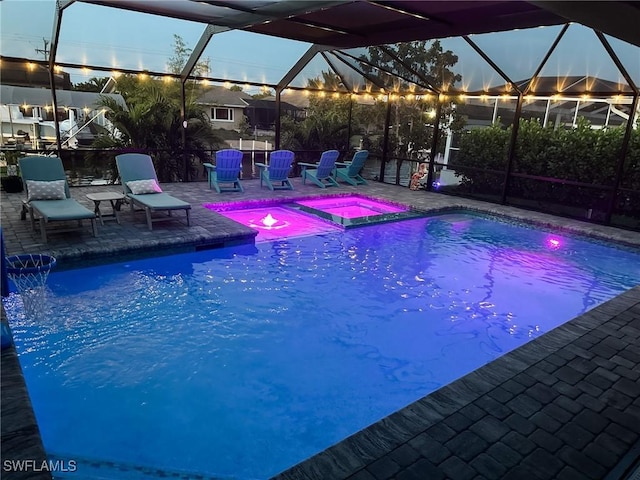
(44, 51)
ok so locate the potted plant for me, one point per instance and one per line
(10, 180)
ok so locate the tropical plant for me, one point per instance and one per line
(412, 68)
(151, 121)
(482, 158)
(332, 116)
(94, 84)
(326, 124)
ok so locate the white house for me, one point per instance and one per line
(26, 114)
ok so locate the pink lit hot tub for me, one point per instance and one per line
(276, 222)
(352, 206)
(311, 216)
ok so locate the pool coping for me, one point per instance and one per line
(20, 432)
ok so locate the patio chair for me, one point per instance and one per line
(322, 173)
(48, 195)
(280, 163)
(226, 170)
(350, 171)
(140, 185)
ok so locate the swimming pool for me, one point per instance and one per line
(244, 361)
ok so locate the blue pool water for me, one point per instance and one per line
(241, 362)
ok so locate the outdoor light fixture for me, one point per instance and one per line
(403, 12)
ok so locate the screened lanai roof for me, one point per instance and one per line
(348, 24)
(497, 44)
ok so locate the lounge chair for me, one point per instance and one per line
(48, 195)
(350, 171)
(226, 170)
(280, 162)
(322, 173)
(140, 185)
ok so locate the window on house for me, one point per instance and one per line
(222, 114)
(27, 110)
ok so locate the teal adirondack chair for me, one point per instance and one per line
(280, 163)
(350, 171)
(321, 173)
(226, 170)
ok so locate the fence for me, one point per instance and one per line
(618, 206)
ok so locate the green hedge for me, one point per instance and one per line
(581, 154)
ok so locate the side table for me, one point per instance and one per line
(116, 199)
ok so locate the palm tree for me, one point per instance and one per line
(151, 121)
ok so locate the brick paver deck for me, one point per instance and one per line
(566, 405)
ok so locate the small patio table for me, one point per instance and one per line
(116, 199)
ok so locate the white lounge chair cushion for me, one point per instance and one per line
(141, 187)
(40, 190)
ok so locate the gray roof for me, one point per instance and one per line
(13, 95)
(224, 97)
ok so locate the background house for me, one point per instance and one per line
(224, 107)
(261, 113)
(26, 116)
(26, 74)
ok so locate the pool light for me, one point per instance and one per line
(553, 243)
(269, 221)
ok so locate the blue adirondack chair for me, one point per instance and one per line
(350, 171)
(280, 163)
(226, 170)
(321, 173)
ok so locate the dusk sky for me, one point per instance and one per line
(114, 38)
